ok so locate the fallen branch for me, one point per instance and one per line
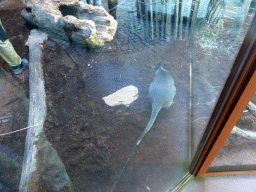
(252, 108)
(243, 133)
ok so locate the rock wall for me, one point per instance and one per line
(72, 20)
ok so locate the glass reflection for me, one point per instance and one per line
(214, 46)
(196, 42)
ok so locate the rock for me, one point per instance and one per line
(72, 20)
(50, 173)
(124, 96)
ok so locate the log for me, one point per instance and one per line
(42, 168)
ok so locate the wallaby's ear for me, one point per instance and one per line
(155, 67)
(158, 65)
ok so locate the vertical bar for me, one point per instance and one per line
(141, 19)
(146, 15)
(215, 11)
(209, 10)
(137, 22)
(98, 3)
(244, 11)
(189, 21)
(168, 27)
(176, 18)
(181, 18)
(193, 15)
(131, 21)
(190, 127)
(152, 20)
(157, 20)
(164, 12)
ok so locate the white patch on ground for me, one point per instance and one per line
(5, 119)
(124, 96)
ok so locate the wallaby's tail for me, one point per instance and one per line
(155, 111)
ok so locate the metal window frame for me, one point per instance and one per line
(236, 94)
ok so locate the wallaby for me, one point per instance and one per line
(161, 93)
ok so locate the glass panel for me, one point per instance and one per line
(239, 148)
(99, 94)
(216, 41)
(96, 141)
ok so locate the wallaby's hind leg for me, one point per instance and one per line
(169, 103)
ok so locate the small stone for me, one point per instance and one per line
(83, 128)
(124, 96)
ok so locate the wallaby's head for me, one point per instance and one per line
(158, 66)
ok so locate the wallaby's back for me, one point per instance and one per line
(161, 93)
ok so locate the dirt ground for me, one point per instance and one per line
(95, 140)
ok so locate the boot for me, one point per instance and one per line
(18, 69)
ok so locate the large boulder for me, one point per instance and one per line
(72, 20)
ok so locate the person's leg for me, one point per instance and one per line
(8, 53)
